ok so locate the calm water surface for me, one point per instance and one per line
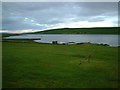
(112, 40)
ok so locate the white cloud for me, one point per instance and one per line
(85, 24)
(18, 31)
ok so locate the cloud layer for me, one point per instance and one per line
(47, 15)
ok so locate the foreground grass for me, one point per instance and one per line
(33, 65)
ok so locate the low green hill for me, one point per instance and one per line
(103, 30)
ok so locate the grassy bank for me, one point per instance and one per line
(100, 30)
(33, 65)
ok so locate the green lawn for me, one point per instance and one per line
(33, 65)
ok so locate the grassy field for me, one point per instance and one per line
(33, 65)
(102, 30)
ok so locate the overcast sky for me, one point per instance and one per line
(33, 16)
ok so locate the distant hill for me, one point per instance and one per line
(8, 34)
(103, 30)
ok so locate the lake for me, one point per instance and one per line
(111, 40)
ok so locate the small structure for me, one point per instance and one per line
(54, 42)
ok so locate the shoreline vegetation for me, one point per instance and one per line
(67, 43)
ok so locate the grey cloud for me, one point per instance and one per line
(30, 6)
(97, 8)
(50, 13)
(96, 20)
